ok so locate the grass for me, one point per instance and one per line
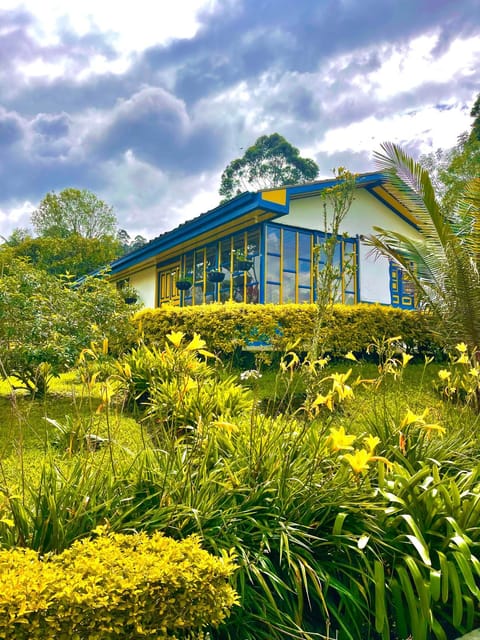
(311, 536)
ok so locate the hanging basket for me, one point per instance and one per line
(183, 285)
(244, 265)
(216, 276)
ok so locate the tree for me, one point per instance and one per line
(451, 169)
(75, 255)
(45, 321)
(74, 211)
(270, 162)
(444, 263)
(128, 245)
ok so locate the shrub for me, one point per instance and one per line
(45, 322)
(115, 586)
(227, 327)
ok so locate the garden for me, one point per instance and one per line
(159, 479)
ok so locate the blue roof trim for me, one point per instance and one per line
(189, 230)
(389, 206)
(364, 180)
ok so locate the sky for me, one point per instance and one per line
(145, 103)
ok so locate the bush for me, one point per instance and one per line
(115, 586)
(228, 327)
(45, 322)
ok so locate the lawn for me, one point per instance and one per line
(346, 496)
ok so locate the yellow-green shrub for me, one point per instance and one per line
(226, 327)
(115, 586)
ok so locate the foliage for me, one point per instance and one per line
(352, 517)
(229, 327)
(74, 212)
(337, 201)
(271, 162)
(451, 169)
(114, 586)
(74, 255)
(45, 322)
(128, 245)
(177, 389)
(442, 263)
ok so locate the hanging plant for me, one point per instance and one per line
(184, 282)
(215, 276)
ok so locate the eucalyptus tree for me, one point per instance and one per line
(443, 261)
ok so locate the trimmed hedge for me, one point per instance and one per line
(230, 326)
(116, 586)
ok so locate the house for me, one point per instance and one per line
(259, 248)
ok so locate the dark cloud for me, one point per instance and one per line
(155, 126)
(52, 125)
(184, 109)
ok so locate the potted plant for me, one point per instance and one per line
(243, 261)
(184, 282)
(215, 275)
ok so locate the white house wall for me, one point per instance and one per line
(144, 282)
(365, 213)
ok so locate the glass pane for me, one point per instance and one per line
(289, 250)
(273, 293)
(226, 253)
(253, 243)
(273, 268)
(273, 240)
(238, 286)
(304, 273)
(349, 298)
(288, 293)
(304, 246)
(304, 295)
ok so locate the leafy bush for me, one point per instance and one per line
(114, 586)
(176, 387)
(45, 322)
(228, 327)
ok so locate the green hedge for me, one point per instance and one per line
(116, 586)
(227, 327)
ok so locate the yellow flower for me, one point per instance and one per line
(474, 372)
(358, 460)
(176, 337)
(340, 440)
(371, 442)
(461, 347)
(443, 374)
(229, 427)
(406, 359)
(411, 417)
(325, 400)
(350, 356)
(429, 428)
(463, 359)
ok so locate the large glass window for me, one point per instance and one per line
(227, 269)
(289, 265)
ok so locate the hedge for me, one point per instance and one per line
(231, 326)
(115, 586)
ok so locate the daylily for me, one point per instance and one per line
(411, 417)
(443, 374)
(176, 337)
(358, 460)
(371, 442)
(406, 359)
(340, 440)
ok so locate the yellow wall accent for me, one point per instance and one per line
(279, 196)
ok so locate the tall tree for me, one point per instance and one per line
(271, 162)
(444, 263)
(74, 211)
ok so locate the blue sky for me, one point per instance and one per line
(145, 104)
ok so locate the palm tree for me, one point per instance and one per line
(444, 262)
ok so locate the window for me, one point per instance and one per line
(289, 265)
(402, 290)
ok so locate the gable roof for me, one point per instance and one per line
(263, 205)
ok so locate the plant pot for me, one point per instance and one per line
(183, 285)
(130, 300)
(215, 276)
(244, 265)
